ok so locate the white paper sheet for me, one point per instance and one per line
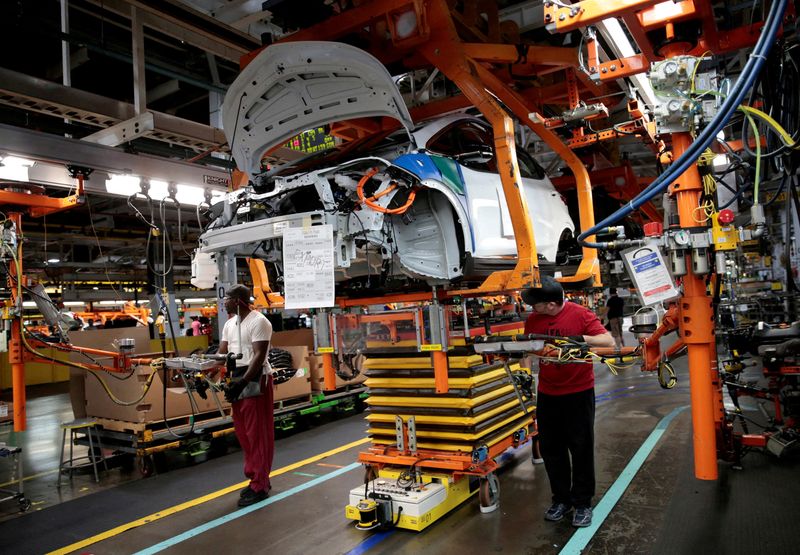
(308, 267)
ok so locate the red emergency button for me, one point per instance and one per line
(653, 229)
(726, 216)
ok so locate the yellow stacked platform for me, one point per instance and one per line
(481, 407)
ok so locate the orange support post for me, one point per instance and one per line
(590, 266)
(16, 354)
(440, 369)
(696, 323)
(329, 371)
(447, 53)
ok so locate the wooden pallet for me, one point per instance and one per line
(138, 428)
(288, 404)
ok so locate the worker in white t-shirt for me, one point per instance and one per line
(249, 332)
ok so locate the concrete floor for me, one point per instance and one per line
(312, 521)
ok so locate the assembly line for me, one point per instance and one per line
(372, 276)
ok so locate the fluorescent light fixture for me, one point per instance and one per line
(18, 162)
(125, 185)
(74, 303)
(189, 194)
(29, 304)
(192, 301)
(111, 303)
(53, 260)
(158, 189)
(95, 288)
(14, 173)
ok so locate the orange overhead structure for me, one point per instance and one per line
(20, 348)
(435, 39)
(34, 205)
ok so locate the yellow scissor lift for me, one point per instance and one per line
(434, 441)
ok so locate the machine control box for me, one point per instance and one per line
(416, 500)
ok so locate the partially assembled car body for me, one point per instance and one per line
(420, 205)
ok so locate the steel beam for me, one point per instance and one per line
(204, 32)
(45, 97)
(137, 51)
(51, 151)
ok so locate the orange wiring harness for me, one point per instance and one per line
(370, 201)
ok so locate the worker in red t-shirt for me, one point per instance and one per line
(565, 401)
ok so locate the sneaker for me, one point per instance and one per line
(556, 512)
(252, 497)
(245, 490)
(582, 517)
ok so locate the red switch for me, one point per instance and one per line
(653, 229)
(726, 216)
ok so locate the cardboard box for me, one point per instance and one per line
(294, 338)
(305, 337)
(318, 374)
(300, 385)
(6, 411)
(151, 407)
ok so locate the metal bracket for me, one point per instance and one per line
(123, 131)
(398, 432)
(412, 435)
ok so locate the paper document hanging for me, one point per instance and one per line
(308, 267)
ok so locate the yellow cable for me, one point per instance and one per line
(786, 137)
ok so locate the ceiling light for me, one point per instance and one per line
(158, 189)
(125, 185)
(74, 303)
(29, 304)
(189, 194)
(18, 162)
(53, 260)
(111, 303)
(197, 300)
(95, 288)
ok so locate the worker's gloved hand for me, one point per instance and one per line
(577, 338)
(234, 389)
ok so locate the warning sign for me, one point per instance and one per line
(646, 268)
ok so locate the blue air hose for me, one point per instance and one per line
(748, 76)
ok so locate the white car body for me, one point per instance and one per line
(458, 226)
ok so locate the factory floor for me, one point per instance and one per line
(192, 509)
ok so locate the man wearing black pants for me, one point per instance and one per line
(565, 401)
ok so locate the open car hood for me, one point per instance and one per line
(295, 86)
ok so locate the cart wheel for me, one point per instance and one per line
(370, 474)
(145, 465)
(489, 493)
(24, 504)
(218, 446)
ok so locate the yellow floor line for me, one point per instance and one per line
(195, 502)
(31, 477)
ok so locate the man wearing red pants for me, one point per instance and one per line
(250, 393)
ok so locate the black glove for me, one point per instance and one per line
(234, 389)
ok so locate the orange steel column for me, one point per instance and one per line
(328, 371)
(16, 356)
(696, 323)
(440, 370)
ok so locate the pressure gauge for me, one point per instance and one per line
(681, 237)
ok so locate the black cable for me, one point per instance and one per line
(233, 137)
(782, 185)
(366, 247)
